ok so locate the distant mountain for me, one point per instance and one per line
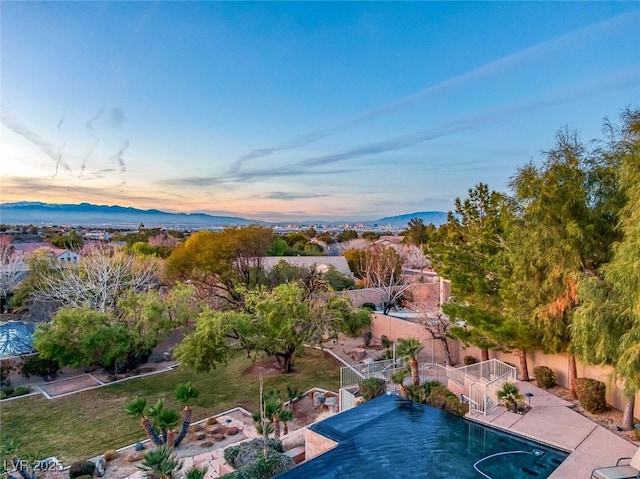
(86, 214)
(429, 217)
(101, 215)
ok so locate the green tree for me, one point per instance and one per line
(346, 235)
(416, 232)
(72, 240)
(551, 242)
(606, 326)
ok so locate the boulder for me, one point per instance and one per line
(200, 436)
(218, 437)
(134, 456)
(101, 465)
(232, 431)
(206, 444)
(81, 468)
(358, 354)
(197, 428)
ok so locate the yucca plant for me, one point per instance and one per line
(285, 416)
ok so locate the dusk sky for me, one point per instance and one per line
(292, 111)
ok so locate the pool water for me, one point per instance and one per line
(389, 437)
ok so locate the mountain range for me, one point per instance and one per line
(86, 214)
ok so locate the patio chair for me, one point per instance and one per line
(630, 470)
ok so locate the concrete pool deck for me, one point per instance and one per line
(552, 421)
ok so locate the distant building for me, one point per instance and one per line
(23, 251)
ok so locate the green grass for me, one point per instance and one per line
(86, 424)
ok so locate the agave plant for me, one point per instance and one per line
(196, 472)
(509, 396)
(160, 463)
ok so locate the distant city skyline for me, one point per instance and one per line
(286, 111)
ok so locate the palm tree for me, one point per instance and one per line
(398, 379)
(292, 395)
(160, 463)
(509, 396)
(285, 416)
(137, 408)
(408, 350)
(168, 419)
(185, 393)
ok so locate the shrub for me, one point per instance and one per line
(439, 396)
(591, 394)
(196, 472)
(248, 452)
(5, 372)
(263, 468)
(366, 337)
(21, 391)
(3, 395)
(37, 366)
(369, 306)
(386, 343)
(467, 360)
(110, 455)
(545, 377)
(81, 468)
(416, 393)
(211, 421)
(8, 390)
(372, 388)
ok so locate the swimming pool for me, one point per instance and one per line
(394, 438)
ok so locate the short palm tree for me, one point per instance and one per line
(137, 408)
(185, 394)
(408, 350)
(509, 396)
(160, 463)
(398, 379)
(292, 395)
(285, 416)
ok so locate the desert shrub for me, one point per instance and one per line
(467, 360)
(366, 337)
(263, 468)
(591, 394)
(211, 421)
(372, 388)
(21, 391)
(37, 366)
(369, 306)
(196, 472)
(81, 468)
(3, 395)
(385, 341)
(248, 452)
(110, 455)
(545, 377)
(8, 390)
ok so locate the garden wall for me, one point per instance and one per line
(395, 328)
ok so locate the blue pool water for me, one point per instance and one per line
(389, 437)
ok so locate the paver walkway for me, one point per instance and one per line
(552, 421)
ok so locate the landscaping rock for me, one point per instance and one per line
(81, 468)
(218, 437)
(200, 436)
(110, 455)
(358, 354)
(212, 420)
(134, 456)
(101, 465)
(197, 428)
(206, 444)
(232, 431)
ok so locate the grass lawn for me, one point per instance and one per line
(88, 423)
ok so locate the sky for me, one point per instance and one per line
(303, 110)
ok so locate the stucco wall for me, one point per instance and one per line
(315, 444)
(395, 328)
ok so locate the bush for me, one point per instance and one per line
(81, 468)
(366, 337)
(8, 390)
(5, 372)
(21, 391)
(439, 396)
(372, 388)
(110, 455)
(545, 377)
(386, 343)
(467, 360)
(248, 452)
(3, 395)
(37, 366)
(591, 394)
(370, 306)
(263, 468)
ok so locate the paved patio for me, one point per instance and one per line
(552, 421)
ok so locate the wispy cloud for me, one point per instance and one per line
(48, 148)
(486, 70)
(283, 195)
(119, 156)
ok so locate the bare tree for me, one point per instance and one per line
(383, 272)
(12, 270)
(96, 281)
(436, 323)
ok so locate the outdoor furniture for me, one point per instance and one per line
(620, 471)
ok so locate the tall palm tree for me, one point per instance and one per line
(408, 350)
(185, 394)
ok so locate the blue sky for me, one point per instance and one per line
(304, 110)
